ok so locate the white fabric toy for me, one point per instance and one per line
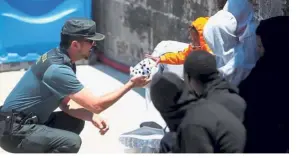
(143, 68)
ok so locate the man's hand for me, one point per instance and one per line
(100, 123)
(139, 81)
(156, 59)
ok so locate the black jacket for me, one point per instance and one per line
(209, 127)
(222, 92)
(192, 118)
(266, 91)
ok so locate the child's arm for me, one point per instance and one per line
(174, 58)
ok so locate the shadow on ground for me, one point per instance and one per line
(122, 77)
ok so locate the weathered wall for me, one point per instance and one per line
(133, 27)
(269, 8)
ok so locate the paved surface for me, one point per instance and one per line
(125, 115)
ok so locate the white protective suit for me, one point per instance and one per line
(231, 34)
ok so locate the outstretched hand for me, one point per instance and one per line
(139, 81)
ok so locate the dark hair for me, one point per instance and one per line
(66, 40)
(201, 66)
(166, 89)
(274, 33)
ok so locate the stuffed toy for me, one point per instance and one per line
(146, 67)
(143, 68)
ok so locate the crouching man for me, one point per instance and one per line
(27, 121)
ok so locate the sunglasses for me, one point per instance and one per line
(92, 42)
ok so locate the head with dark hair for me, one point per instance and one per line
(78, 46)
(78, 37)
(67, 40)
(170, 97)
(273, 35)
(199, 69)
(166, 89)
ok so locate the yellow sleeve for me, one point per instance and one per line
(175, 58)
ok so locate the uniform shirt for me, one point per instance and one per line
(42, 97)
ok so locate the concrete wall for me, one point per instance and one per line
(269, 8)
(133, 27)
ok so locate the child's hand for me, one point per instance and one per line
(156, 59)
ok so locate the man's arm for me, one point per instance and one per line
(194, 139)
(98, 104)
(76, 111)
(62, 81)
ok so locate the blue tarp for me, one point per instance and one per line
(29, 28)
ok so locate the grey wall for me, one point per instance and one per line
(133, 27)
(269, 8)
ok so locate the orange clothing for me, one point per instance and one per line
(178, 58)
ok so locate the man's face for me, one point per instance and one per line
(86, 48)
(83, 48)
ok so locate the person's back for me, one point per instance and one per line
(203, 76)
(190, 117)
(214, 123)
(230, 99)
(210, 128)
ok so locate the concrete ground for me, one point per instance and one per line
(123, 116)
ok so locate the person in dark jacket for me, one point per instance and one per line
(200, 125)
(170, 97)
(212, 85)
(266, 90)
